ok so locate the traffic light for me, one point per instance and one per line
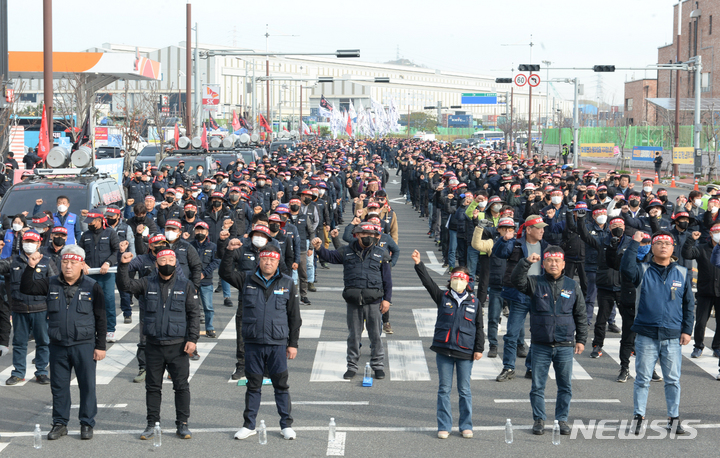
(455, 106)
(382, 80)
(529, 68)
(503, 80)
(604, 68)
(325, 79)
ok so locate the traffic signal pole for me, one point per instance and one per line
(529, 142)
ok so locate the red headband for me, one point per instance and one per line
(115, 211)
(72, 257)
(166, 253)
(460, 275)
(663, 237)
(269, 254)
(294, 201)
(617, 220)
(715, 228)
(172, 223)
(556, 254)
(599, 211)
(157, 238)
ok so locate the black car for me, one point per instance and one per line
(147, 156)
(107, 152)
(85, 191)
(192, 162)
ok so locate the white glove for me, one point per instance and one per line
(4, 350)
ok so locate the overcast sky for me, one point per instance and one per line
(463, 35)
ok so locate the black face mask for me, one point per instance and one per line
(602, 195)
(307, 200)
(58, 241)
(634, 203)
(169, 200)
(166, 270)
(663, 198)
(274, 227)
(683, 225)
(180, 168)
(190, 214)
(591, 193)
(111, 221)
(216, 204)
(294, 208)
(234, 197)
(200, 237)
(367, 241)
(617, 232)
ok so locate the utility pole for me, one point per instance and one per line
(576, 126)
(48, 65)
(512, 92)
(188, 71)
(698, 126)
(529, 142)
(4, 70)
(676, 167)
(198, 90)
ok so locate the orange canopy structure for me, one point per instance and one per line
(23, 64)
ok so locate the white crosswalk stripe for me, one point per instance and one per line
(406, 360)
(203, 349)
(312, 321)
(29, 369)
(330, 362)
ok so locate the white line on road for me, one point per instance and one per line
(425, 321)
(330, 362)
(99, 406)
(203, 350)
(434, 264)
(321, 403)
(312, 321)
(599, 401)
(29, 367)
(406, 359)
(229, 332)
(362, 429)
(337, 447)
(116, 359)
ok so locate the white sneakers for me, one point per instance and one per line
(110, 337)
(244, 433)
(443, 434)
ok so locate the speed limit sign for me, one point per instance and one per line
(534, 80)
(520, 80)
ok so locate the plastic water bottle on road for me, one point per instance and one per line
(37, 437)
(157, 435)
(331, 431)
(556, 433)
(262, 433)
(368, 370)
(508, 432)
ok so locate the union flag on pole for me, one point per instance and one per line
(204, 138)
(44, 139)
(213, 124)
(263, 123)
(235, 122)
(348, 126)
(177, 135)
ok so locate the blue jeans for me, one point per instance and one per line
(452, 248)
(310, 265)
(206, 296)
(562, 362)
(126, 303)
(22, 323)
(515, 334)
(107, 283)
(225, 288)
(472, 260)
(445, 365)
(647, 352)
(494, 309)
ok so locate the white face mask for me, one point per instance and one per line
(496, 207)
(556, 199)
(62, 208)
(697, 202)
(261, 183)
(178, 195)
(212, 186)
(482, 204)
(259, 241)
(287, 178)
(17, 227)
(458, 285)
(716, 237)
(713, 210)
(647, 188)
(29, 248)
(195, 194)
(200, 171)
(601, 219)
(171, 235)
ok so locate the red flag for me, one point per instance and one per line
(44, 140)
(348, 127)
(204, 138)
(263, 123)
(177, 135)
(285, 129)
(235, 122)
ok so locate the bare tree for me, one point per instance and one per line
(7, 119)
(72, 100)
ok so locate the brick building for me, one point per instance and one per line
(638, 110)
(697, 38)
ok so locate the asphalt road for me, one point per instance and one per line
(395, 417)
